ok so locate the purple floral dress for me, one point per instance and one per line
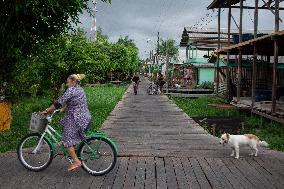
(77, 116)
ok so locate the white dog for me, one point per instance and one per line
(235, 141)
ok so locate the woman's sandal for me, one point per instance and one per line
(74, 166)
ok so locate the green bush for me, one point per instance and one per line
(49, 66)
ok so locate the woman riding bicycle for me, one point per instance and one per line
(77, 117)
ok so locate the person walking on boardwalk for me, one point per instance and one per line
(160, 82)
(77, 116)
(135, 80)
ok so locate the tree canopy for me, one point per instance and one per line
(51, 63)
(168, 47)
(25, 23)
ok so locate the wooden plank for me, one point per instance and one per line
(180, 173)
(271, 179)
(150, 182)
(189, 173)
(274, 164)
(233, 179)
(265, 183)
(246, 171)
(182, 95)
(267, 166)
(79, 180)
(111, 176)
(170, 173)
(130, 175)
(235, 171)
(120, 177)
(215, 183)
(200, 175)
(218, 173)
(140, 173)
(268, 116)
(161, 173)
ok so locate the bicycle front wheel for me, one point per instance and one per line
(98, 156)
(35, 154)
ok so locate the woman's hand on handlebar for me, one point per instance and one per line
(45, 112)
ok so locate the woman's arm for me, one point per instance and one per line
(62, 100)
(49, 109)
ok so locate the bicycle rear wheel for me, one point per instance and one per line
(98, 156)
(33, 154)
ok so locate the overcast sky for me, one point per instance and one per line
(142, 19)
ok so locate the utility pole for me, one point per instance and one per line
(167, 67)
(158, 48)
(94, 22)
(158, 43)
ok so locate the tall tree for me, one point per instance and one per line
(168, 47)
(24, 23)
(126, 41)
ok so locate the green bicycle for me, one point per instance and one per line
(36, 151)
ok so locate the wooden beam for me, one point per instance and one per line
(209, 41)
(235, 22)
(208, 32)
(207, 38)
(240, 52)
(228, 77)
(260, 8)
(276, 9)
(253, 86)
(275, 64)
(219, 45)
(186, 54)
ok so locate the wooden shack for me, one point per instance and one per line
(258, 63)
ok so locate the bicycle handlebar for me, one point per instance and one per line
(49, 117)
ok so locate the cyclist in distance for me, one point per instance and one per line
(77, 117)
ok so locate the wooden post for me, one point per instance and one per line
(167, 69)
(186, 52)
(218, 56)
(240, 51)
(254, 55)
(274, 85)
(228, 78)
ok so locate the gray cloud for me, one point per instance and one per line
(141, 20)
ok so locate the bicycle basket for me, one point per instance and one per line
(38, 122)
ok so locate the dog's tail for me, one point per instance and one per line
(263, 144)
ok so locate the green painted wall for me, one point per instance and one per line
(205, 74)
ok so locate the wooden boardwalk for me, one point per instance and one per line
(160, 147)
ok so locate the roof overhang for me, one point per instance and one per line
(264, 45)
(222, 3)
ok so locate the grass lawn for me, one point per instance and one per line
(101, 101)
(271, 132)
